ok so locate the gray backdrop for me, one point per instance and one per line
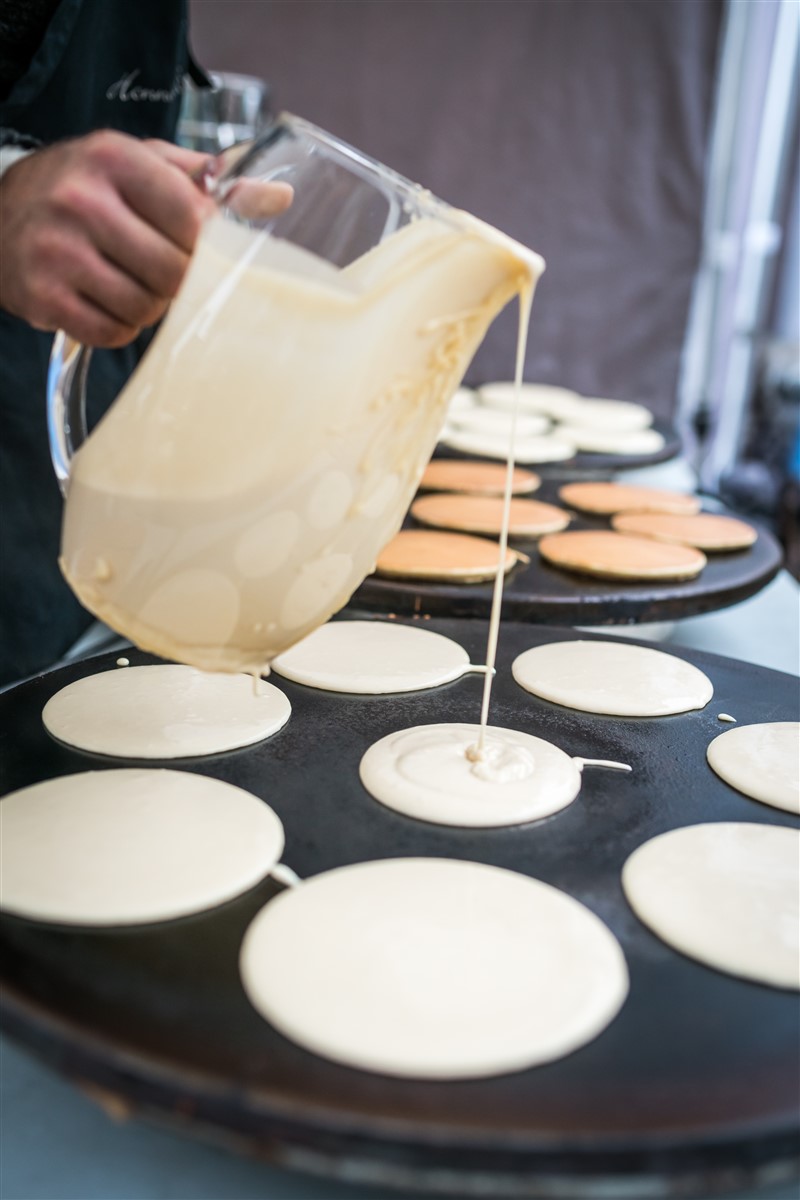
(577, 126)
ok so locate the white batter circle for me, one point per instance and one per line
(433, 969)
(529, 449)
(426, 772)
(599, 440)
(612, 678)
(462, 400)
(497, 423)
(130, 846)
(617, 416)
(164, 712)
(373, 657)
(763, 761)
(725, 894)
(556, 402)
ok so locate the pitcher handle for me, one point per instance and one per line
(66, 403)
(69, 360)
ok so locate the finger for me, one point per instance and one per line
(133, 245)
(255, 200)
(82, 320)
(117, 293)
(99, 328)
(163, 197)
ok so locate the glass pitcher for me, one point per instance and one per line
(269, 443)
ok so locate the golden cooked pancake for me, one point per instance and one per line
(607, 498)
(484, 514)
(487, 479)
(447, 557)
(706, 531)
(616, 556)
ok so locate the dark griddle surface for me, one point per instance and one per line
(696, 1077)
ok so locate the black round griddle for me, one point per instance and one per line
(550, 596)
(584, 464)
(693, 1086)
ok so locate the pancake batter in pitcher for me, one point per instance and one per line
(270, 443)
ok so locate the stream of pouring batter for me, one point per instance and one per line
(525, 302)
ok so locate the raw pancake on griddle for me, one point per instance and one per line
(484, 514)
(373, 657)
(164, 711)
(497, 423)
(427, 772)
(132, 845)
(558, 403)
(607, 498)
(597, 440)
(545, 448)
(763, 761)
(705, 531)
(432, 968)
(724, 893)
(610, 555)
(462, 400)
(477, 478)
(612, 678)
(617, 415)
(447, 557)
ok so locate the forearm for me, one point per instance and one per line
(14, 145)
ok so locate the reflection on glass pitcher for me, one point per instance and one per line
(269, 443)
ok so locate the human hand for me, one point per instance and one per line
(96, 234)
(249, 198)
